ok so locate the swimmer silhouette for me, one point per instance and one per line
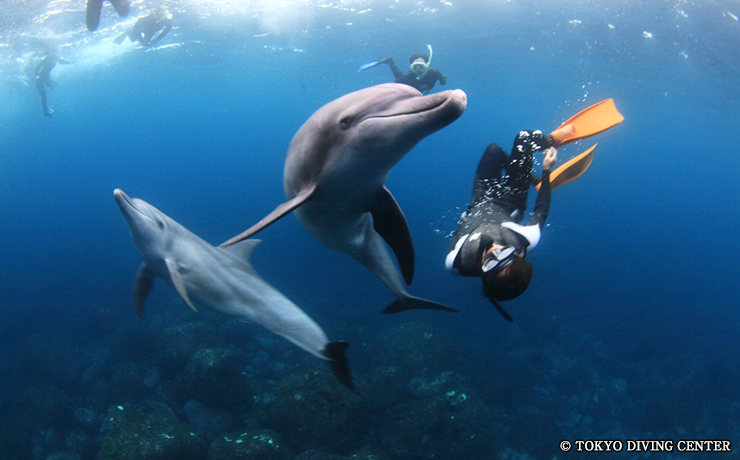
(43, 77)
(146, 27)
(94, 7)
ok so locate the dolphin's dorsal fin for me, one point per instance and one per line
(142, 286)
(179, 283)
(243, 249)
(279, 212)
(390, 223)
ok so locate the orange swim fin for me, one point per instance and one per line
(588, 122)
(571, 169)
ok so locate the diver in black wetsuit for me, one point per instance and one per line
(421, 76)
(490, 241)
(43, 77)
(95, 7)
(145, 28)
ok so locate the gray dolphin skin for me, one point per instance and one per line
(220, 279)
(335, 174)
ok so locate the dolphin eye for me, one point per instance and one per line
(345, 122)
(160, 224)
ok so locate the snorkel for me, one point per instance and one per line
(419, 67)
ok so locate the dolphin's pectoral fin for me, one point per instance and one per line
(142, 286)
(242, 250)
(279, 212)
(335, 352)
(390, 223)
(179, 283)
(415, 303)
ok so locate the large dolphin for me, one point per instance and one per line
(220, 279)
(335, 174)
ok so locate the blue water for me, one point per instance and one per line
(635, 276)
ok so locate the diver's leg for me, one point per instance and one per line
(487, 178)
(92, 15)
(122, 7)
(521, 161)
(42, 93)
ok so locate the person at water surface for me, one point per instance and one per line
(146, 28)
(43, 79)
(421, 76)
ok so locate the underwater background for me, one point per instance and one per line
(629, 330)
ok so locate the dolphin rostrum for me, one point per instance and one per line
(220, 279)
(335, 174)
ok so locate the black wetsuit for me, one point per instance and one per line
(146, 27)
(95, 7)
(497, 200)
(423, 84)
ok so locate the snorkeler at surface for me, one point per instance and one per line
(95, 7)
(43, 77)
(146, 27)
(421, 76)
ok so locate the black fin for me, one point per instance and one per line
(390, 223)
(142, 286)
(336, 353)
(415, 303)
(503, 312)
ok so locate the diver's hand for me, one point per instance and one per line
(551, 157)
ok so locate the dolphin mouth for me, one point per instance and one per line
(124, 200)
(431, 103)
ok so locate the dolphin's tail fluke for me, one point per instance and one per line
(415, 303)
(335, 352)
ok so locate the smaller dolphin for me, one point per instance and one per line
(220, 279)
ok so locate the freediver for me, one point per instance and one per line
(43, 77)
(421, 76)
(146, 27)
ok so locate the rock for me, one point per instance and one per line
(314, 411)
(318, 455)
(43, 406)
(208, 421)
(62, 456)
(85, 418)
(149, 431)
(214, 376)
(251, 445)
(179, 343)
(368, 453)
(453, 425)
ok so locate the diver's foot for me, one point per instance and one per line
(48, 114)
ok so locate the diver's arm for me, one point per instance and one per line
(440, 78)
(394, 68)
(542, 205)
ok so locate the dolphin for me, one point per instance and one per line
(335, 173)
(220, 279)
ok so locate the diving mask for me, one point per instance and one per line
(419, 67)
(499, 259)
